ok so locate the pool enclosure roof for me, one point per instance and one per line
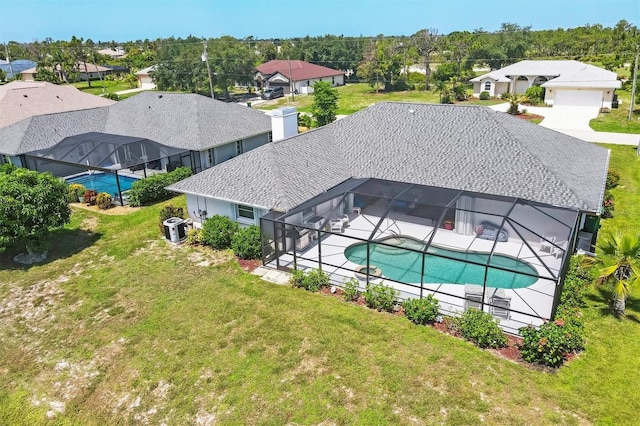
(105, 151)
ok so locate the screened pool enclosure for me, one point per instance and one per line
(506, 256)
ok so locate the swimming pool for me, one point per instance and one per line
(403, 265)
(102, 182)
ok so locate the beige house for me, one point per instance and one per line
(566, 83)
(85, 71)
(145, 81)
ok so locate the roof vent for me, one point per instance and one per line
(412, 111)
(25, 96)
(159, 96)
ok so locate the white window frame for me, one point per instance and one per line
(487, 89)
(211, 156)
(245, 219)
(239, 148)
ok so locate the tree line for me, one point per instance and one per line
(381, 61)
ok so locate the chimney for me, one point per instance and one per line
(284, 123)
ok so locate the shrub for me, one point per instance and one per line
(485, 96)
(482, 329)
(613, 179)
(305, 120)
(576, 284)
(421, 311)
(89, 197)
(313, 280)
(194, 237)
(246, 243)
(75, 191)
(104, 201)
(446, 99)
(608, 205)
(460, 92)
(218, 231)
(151, 189)
(351, 292)
(535, 94)
(380, 297)
(169, 212)
(552, 342)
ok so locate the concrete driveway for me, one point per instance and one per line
(560, 117)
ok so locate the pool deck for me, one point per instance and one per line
(525, 303)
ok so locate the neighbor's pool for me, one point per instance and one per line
(102, 182)
(402, 265)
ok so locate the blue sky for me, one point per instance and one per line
(124, 20)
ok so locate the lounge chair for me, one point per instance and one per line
(472, 296)
(546, 243)
(558, 250)
(501, 304)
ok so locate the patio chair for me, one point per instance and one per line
(337, 225)
(472, 296)
(501, 304)
(558, 251)
(546, 244)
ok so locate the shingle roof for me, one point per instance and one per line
(567, 73)
(296, 70)
(23, 99)
(188, 121)
(459, 147)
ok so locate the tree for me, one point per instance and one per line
(325, 103)
(618, 264)
(32, 204)
(381, 62)
(427, 42)
(514, 100)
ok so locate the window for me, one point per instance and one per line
(270, 137)
(487, 86)
(238, 147)
(211, 156)
(245, 212)
(333, 80)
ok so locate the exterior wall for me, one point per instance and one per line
(497, 88)
(607, 95)
(146, 82)
(196, 205)
(306, 86)
(225, 152)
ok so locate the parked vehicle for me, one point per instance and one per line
(272, 93)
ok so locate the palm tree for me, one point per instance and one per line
(618, 265)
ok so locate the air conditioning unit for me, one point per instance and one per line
(175, 229)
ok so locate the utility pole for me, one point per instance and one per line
(633, 88)
(6, 50)
(205, 59)
(291, 82)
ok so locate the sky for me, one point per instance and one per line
(130, 20)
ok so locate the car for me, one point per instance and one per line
(272, 93)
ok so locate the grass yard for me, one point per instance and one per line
(617, 120)
(120, 327)
(110, 86)
(355, 97)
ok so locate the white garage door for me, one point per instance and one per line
(578, 98)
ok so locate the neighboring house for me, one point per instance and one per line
(145, 80)
(16, 67)
(198, 132)
(23, 99)
(299, 76)
(85, 71)
(113, 52)
(421, 177)
(567, 83)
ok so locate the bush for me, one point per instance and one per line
(421, 311)
(446, 99)
(552, 342)
(485, 96)
(351, 292)
(151, 189)
(218, 231)
(313, 280)
(246, 243)
(169, 212)
(104, 201)
(482, 329)
(535, 94)
(194, 237)
(380, 297)
(305, 120)
(576, 284)
(608, 205)
(460, 92)
(613, 179)
(89, 197)
(75, 191)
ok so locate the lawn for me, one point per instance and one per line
(110, 86)
(617, 120)
(121, 327)
(355, 97)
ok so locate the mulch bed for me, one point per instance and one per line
(529, 117)
(249, 265)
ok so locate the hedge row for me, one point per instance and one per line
(153, 189)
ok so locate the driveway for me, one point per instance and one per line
(560, 117)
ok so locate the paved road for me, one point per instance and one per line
(574, 121)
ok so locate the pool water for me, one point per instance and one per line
(403, 265)
(102, 182)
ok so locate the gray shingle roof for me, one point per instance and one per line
(187, 121)
(459, 147)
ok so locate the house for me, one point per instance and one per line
(85, 71)
(20, 100)
(113, 52)
(145, 80)
(182, 130)
(299, 76)
(406, 186)
(16, 67)
(566, 83)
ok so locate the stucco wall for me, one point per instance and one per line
(213, 206)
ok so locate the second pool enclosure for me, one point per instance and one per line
(504, 255)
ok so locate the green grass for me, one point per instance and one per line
(110, 86)
(617, 120)
(125, 328)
